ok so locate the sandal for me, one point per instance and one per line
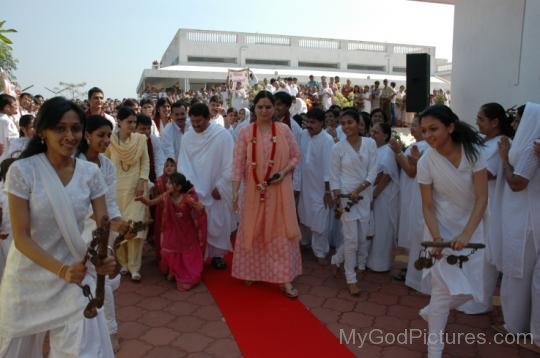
(353, 289)
(290, 291)
(218, 263)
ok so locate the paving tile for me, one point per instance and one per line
(133, 348)
(159, 336)
(224, 348)
(215, 329)
(192, 342)
(402, 312)
(165, 352)
(186, 324)
(370, 308)
(132, 330)
(153, 303)
(339, 304)
(357, 320)
(156, 318)
(182, 308)
(391, 324)
(383, 299)
(208, 313)
(391, 352)
(311, 301)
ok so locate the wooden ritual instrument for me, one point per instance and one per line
(425, 258)
(339, 210)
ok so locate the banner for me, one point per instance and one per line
(235, 76)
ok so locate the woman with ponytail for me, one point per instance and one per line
(453, 185)
(492, 122)
(50, 194)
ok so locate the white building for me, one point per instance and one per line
(496, 53)
(195, 58)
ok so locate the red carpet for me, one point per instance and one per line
(265, 323)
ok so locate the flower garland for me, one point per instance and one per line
(261, 186)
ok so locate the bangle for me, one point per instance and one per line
(111, 250)
(62, 271)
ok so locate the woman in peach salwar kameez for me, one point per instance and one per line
(267, 242)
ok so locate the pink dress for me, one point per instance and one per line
(183, 239)
(267, 242)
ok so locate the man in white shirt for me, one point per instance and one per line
(26, 101)
(96, 102)
(375, 96)
(216, 107)
(298, 106)
(315, 202)
(157, 159)
(326, 94)
(239, 97)
(173, 132)
(8, 128)
(206, 156)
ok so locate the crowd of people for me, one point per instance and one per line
(278, 176)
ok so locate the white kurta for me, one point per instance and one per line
(206, 160)
(385, 213)
(349, 169)
(453, 198)
(5, 228)
(159, 156)
(8, 133)
(171, 139)
(315, 171)
(33, 299)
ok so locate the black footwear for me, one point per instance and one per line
(218, 263)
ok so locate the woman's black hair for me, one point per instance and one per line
(93, 123)
(316, 113)
(180, 179)
(264, 94)
(386, 129)
(495, 111)
(463, 133)
(367, 121)
(170, 160)
(299, 119)
(50, 113)
(520, 110)
(25, 122)
(124, 112)
(351, 113)
(4, 166)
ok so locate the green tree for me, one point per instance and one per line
(7, 62)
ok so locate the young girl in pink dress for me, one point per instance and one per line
(157, 190)
(183, 231)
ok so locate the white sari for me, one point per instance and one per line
(453, 197)
(385, 214)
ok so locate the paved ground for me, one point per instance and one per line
(156, 320)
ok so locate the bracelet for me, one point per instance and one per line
(111, 250)
(62, 271)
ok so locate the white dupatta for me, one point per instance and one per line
(62, 208)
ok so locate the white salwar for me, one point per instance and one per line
(493, 161)
(5, 229)
(453, 199)
(521, 228)
(521, 231)
(411, 222)
(35, 300)
(206, 160)
(109, 174)
(349, 169)
(385, 213)
(315, 171)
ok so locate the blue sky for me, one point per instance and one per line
(109, 43)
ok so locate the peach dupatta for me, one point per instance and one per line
(276, 216)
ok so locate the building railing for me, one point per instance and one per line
(444, 68)
(220, 37)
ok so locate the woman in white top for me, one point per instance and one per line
(453, 185)
(353, 171)
(493, 123)
(49, 195)
(385, 201)
(520, 224)
(411, 220)
(26, 131)
(97, 139)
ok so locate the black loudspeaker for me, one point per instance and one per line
(418, 73)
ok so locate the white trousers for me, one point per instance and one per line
(108, 307)
(212, 251)
(354, 250)
(335, 236)
(516, 293)
(86, 338)
(535, 307)
(490, 283)
(436, 312)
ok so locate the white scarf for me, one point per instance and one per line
(62, 207)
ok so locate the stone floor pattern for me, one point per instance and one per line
(156, 320)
